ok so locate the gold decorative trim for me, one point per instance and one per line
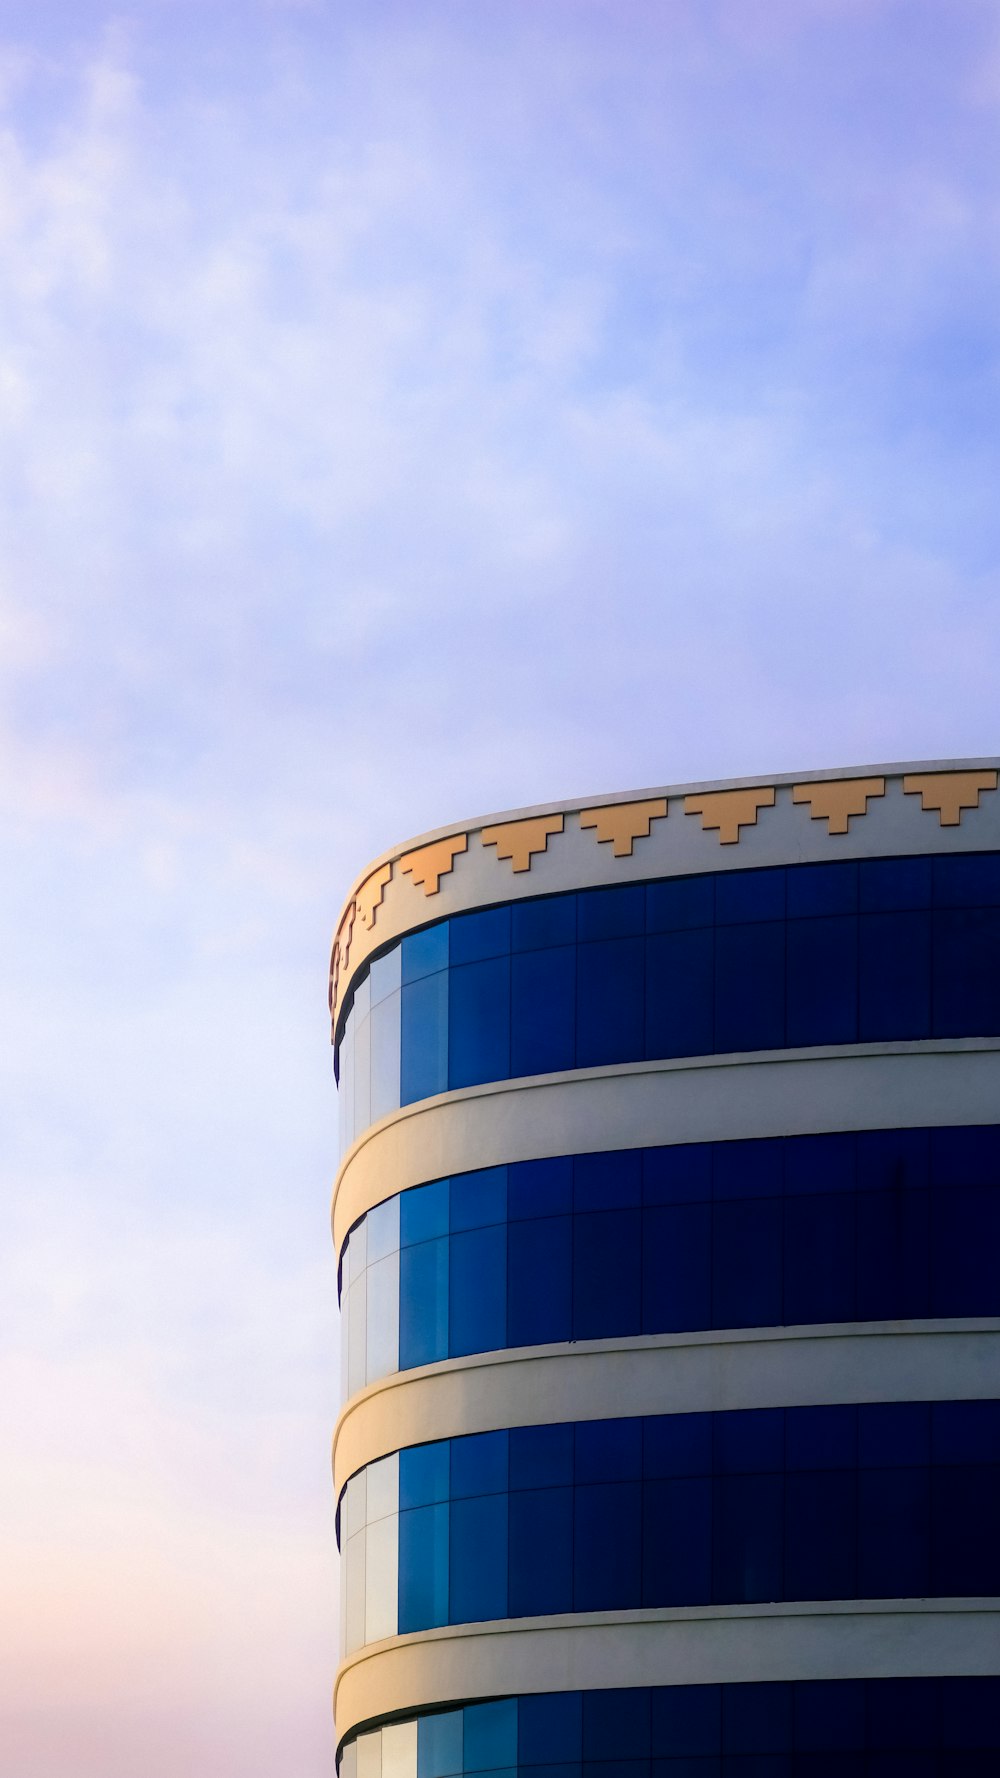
(837, 799)
(369, 896)
(621, 824)
(428, 864)
(729, 810)
(341, 950)
(520, 840)
(950, 793)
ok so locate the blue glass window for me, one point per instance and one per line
(423, 1567)
(479, 935)
(424, 1038)
(478, 1558)
(479, 1022)
(543, 1010)
(541, 1551)
(540, 1299)
(477, 1291)
(680, 979)
(822, 957)
(750, 987)
(610, 1001)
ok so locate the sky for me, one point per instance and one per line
(407, 411)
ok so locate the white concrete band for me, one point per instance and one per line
(701, 1099)
(669, 1374)
(700, 1645)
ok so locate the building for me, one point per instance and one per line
(668, 1224)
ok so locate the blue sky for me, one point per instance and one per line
(405, 411)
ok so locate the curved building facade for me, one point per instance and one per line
(668, 1235)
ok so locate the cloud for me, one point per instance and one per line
(399, 417)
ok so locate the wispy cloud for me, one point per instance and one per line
(403, 412)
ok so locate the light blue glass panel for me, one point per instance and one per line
(439, 1745)
(353, 1593)
(385, 974)
(491, 1735)
(383, 1318)
(362, 1075)
(384, 1025)
(381, 1578)
(383, 1230)
(357, 1315)
(345, 1093)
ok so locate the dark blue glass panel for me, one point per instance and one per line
(424, 1039)
(965, 1244)
(687, 1720)
(822, 889)
(889, 1159)
(968, 881)
(423, 953)
(616, 1724)
(478, 1464)
(819, 1259)
(423, 1303)
(966, 1156)
(893, 1254)
(680, 977)
(610, 913)
(607, 1274)
(749, 895)
(677, 1175)
(540, 1281)
(747, 1537)
(423, 1568)
(478, 1559)
(676, 1267)
(749, 1442)
(822, 961)
(540, 1188)
(750, 987)
(756, 1718)
(479, 1022)
(903, 1765)
(609, 1001)
(895, 976)
(540, 1576)
(677, 1445)
(607, 1546)
(543, 1011)
(901, 1713)
(677, 1541)
(889, 883)
(965, 1532)
(475, 936)
(549, 1728)
(894, 1434)
(970, 1713)
(748, 1169)
(815, 1164)
(477, 1308)
(893, 1533)
(746, 1264)
(966, 978)
(965, 1431)
(439, 1744)
(550, 921)
(490, 1735)
(821, 1438)
(680, 904)
(424, 1212)
(607, 1181)
(821, 1534)
(828, 1716)
(478, 1199)
(608, 1451)
(541, 1456)
(423, 1474)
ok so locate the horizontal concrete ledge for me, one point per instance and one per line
(670, 1374)
(701, 1099)
(703, 1645)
